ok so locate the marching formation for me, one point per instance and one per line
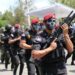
(43, 54)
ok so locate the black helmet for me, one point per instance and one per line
(8, 27)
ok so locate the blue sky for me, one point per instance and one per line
(5, 4)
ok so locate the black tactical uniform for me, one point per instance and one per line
(72, 36)
(6, 48)
(27, 36)
(54, 62)
(17, 52)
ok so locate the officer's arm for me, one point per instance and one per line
(24, 45)
(13, 40)
(68, 42)
(37, 54)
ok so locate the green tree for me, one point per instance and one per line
(3, 23)
(13, 16)
(8, 15)
(70, 3)
(19, 13)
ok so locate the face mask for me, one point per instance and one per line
(36, 27)
(43, 27)
(50, 24)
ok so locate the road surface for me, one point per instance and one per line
(70, 69)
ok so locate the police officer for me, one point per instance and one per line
(73, 53)
(72, 36)
(17, 51)
(1, 46)
(26, 43)
(6, 46)
(52, 58)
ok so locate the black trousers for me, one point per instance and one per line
(18, 60)
(6, 57)
(57, 68)
(73, 56)
(31, 68)
(49, 73)
(2, 57)
(30, 65)
(68, 56)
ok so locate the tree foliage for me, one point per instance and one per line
(17, 16)
(70, 3)
(3, 23)
(8, 15)
(19, 13)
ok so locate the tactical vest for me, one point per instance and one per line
(57, 55)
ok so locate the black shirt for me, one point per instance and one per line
(55, 60)
(15, 46)
(27, 36)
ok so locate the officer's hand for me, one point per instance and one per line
(53, 45)
(37, 54)
(65, 28)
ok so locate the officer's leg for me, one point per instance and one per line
(49, 73)
(37, 70)
(16, 64)
(2, 57)
(68, 56)
(12, 63)
(31, 68)
(42, 71)
(73, 58)
(7, 57)
(6, 62)
(21, 64)
(12, 58)
(15, 69)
